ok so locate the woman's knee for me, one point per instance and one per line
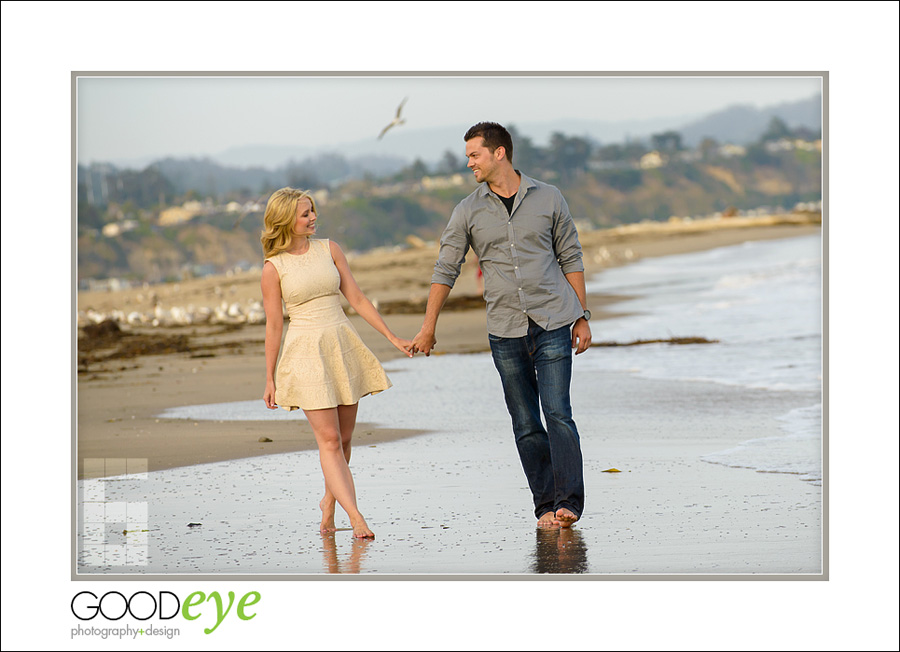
(329, 441)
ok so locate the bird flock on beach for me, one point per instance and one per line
(251, 312)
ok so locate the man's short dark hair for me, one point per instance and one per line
(494, 135)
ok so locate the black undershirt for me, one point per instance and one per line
(508, 202)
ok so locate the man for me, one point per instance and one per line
(529, 253)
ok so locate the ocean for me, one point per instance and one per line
(762, 301)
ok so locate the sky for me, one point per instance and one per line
(122, 118)
(856, 43)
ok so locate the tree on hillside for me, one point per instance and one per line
(413, 172)
(805, 133)
(668, 141)
(776, 130)
(303, 179)
(526, 156)
(450, 163)
(568, 156)
(631, 151)
(708, 147)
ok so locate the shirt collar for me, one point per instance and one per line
(524, 181)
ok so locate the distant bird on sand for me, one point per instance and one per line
(396, 121)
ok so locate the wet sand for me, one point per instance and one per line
(455, 502)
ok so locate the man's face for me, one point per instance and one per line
(482, 161)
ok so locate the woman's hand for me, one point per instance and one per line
(269, 395)
(403, 345)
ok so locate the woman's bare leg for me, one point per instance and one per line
(347, 421)
(326, 425)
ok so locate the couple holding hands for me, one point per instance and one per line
(534, 289)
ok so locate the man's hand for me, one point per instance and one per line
(581, 335)
(424, 342)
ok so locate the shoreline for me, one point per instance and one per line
(118, 398)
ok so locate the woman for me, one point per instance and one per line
(324, 368)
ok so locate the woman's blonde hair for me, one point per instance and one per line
(278, 221)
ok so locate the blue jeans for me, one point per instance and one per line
(536, 372)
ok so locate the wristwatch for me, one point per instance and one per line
(587, 315)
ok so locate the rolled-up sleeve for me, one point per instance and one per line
(565, 239)
(454, 245)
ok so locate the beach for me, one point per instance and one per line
(663, 503)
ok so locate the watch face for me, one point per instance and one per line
(587, 315)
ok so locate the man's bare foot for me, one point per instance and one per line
(548, 520)
(360, 529)
(327, 508)
(565, 517)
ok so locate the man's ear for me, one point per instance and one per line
(500, 152)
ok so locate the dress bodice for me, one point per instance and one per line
(310, 286)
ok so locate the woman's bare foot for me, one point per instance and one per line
(360, 529)
(565, 517)
(327, 507)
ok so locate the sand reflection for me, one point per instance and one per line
(559, 550)
(347, 562)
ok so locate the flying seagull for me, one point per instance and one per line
(396, 121)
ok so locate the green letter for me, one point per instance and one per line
(243, 603)
(192, 603)
(219, 615)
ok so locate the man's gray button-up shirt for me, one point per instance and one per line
(524, 256)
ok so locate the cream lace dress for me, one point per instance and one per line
(323, 363)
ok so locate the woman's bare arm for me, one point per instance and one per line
(271, 292)
(361, 304)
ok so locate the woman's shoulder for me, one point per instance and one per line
(337, 254)
(276, 260)
(330, 246)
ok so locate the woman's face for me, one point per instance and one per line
(305, 224)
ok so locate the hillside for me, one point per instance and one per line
(145, 228)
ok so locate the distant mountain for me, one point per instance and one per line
(429, 145)
(212, 178)
(397, 150)
(266, 156)
(745, 124)
(409, 145)
(209, 178)
(600, 131)
(737, 124)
